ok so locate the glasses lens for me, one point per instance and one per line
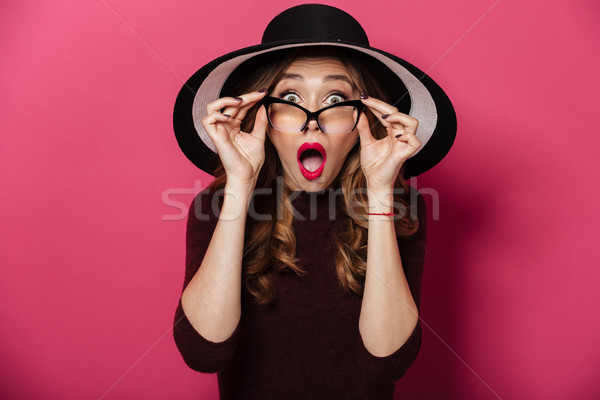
(286, 118)
(338, 120)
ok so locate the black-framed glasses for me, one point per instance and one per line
(339, 118)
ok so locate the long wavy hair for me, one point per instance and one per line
(270, 243)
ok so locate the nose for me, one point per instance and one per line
(311, 126)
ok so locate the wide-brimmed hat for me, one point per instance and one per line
(408, 88)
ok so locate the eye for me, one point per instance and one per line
(335, 99)
(291, 97)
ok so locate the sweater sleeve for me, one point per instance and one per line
(390, 368)
(199, 353)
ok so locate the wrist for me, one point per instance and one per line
(239, 189)
(381, 202)
(236, 200)
(380, 195)
(380, 188)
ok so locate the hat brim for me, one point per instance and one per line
(424, 99)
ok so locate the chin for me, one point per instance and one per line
(314, 185)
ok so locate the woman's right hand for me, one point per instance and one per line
(242, 154)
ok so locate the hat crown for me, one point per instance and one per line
(314, 22)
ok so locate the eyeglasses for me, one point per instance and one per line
(335, 119)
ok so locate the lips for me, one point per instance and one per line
(311, 160)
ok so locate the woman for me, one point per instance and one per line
(305, 255)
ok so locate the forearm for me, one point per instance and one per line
(212, 299)
(388, 312)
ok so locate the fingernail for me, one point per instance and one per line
(384, 116)
(226, 115)
(398, 135)
(238, 99)
(262, 90)
(364, 95)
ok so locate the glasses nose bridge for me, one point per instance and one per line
(312, 116)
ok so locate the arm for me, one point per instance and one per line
(389, 319)
(389, 313)
(394, 362)
(212, 299)
(198, 352)
(210, 306)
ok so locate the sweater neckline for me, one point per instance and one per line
(315, 205)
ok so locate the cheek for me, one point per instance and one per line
(284, 148)
(346, 143)
(342, 149)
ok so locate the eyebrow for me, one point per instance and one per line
(328, 78)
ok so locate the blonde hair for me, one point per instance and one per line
(270, 243)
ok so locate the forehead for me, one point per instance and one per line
(318, 71)
(317, 66)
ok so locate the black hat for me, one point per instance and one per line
(409, 89)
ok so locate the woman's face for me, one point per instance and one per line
(312, 159)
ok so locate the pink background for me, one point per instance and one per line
(92, 238)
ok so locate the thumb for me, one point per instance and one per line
(364, 131)
(260, 124)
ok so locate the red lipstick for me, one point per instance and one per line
(311, 160)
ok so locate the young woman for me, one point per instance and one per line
(305, 255)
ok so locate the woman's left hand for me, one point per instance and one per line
(381, 159)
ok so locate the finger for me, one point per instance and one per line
(398, 124)
(247, 101)
(405, 147)
(402, 122)
(379, 107)
(213, 118)
(260, 124)
(221, 103)
(383, 111)
(364, 131)
(412, 141)
(232, 110)
(382, 115)
(212, 123)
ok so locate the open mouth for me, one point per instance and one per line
(311, 160)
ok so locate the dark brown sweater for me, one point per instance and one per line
(307, 345)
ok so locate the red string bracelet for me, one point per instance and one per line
(390, 214)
